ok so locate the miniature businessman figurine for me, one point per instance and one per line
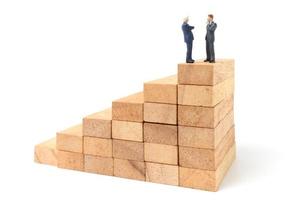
(210, 39)
(188, 39)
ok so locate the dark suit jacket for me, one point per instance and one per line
(187, 32)
(210, 32)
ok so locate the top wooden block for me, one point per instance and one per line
(129, 108)
(70, 139)
(98, 124)
(203, 73)
(163, 90)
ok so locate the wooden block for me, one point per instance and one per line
(161, 173)
(161, 153)
(45, 153)
(98, 165)
(205, 137)
(129, 169)
(98, 124)
(70, 139)
(160, 133)
(125, 130)
(160, 113)
(205, 117)
(202, 73)
(207, 159)
(198, 95)
(70, 160)
(162, 90)
(129, 108)
(98, 146)
(129, 150)
(205, 179)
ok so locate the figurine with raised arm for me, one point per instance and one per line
(210, 39)
(188, 39)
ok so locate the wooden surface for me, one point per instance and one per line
(70, 160)
(98, 146)
(125, 130)
(70, 139)
(205, 137)
(160, 133)
(162, 173)
(206, 159)
(206, 179)
(201, 73)
(129, 108)
(98, 124)
(160, 113)
(129, 150)
(161, 153)
(205, 117)
(129, 169)
(162, 90)
(98, 165)
(45, 152)
(198, 95)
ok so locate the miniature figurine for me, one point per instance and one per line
(188, 39)
(210, 39)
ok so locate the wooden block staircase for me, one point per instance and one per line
(178, 131)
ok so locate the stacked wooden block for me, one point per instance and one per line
(179, 131)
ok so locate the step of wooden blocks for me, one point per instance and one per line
(209, 96)
(161, 153)
(160, 113)
(203, 73)
(98, 124)
(205, 117)
(98, 146)
(160, 133)
(163, 90)
(98, 165)
(129, 108)
(162, 173)
(45, 153)
(207, 138)
(70, 160)
(128, 150)
(131, 169)
(126, 130)
(70, 139)
(206, 179)
(206, 159)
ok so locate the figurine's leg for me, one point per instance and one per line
(188, 52)
(207, 51)
(212, 51)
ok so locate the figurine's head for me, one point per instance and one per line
(210, 18)
(186, 20)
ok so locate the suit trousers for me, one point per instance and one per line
(189, 46)
(210, 51)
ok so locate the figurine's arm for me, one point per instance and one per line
(190, 27)
(212, 27)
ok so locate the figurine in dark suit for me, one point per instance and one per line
(188, 39)
(210, 39)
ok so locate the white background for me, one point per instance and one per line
(61, 60)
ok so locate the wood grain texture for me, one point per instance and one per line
(205, 117)
(128, 150)
(98, 124)
(209, 96)
(126, 130)
(160, 113)
(206, 179)
(202, 73)
(70, 160)
(98, 146)
(161, 153)
(129, 108)
(205, 137)
(129, 169)
(162, 90)
(45, 152)
(70, 139)
(162, 173)
(98, 165)
(160, 133)
(206, 159)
